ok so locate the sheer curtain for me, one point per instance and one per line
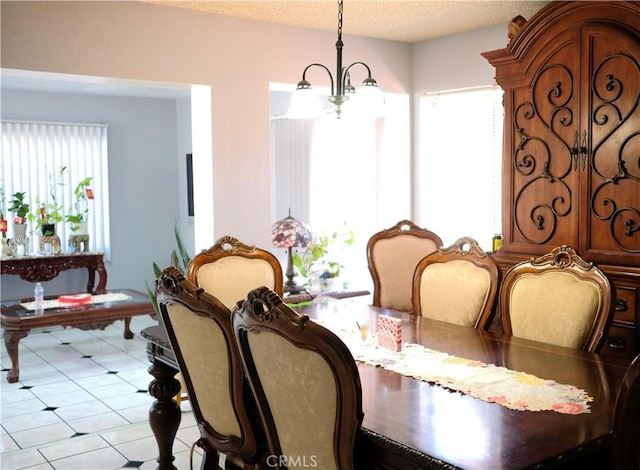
(33, 152)
(459, 165)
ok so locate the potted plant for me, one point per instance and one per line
(19, 243)
(180, 259)
(3, 220)
(6, 249)
(50, 213)
(79, 212)
(314, 263)
(21, 210)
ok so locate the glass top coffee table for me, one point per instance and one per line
(104, 309)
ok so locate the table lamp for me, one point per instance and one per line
(290, 233)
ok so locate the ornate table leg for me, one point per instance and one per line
(11, 342)
(91, 278)
(128, 334)
(102, 272)
(164, 414)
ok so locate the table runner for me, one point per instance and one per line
(487, 382)
(95, 299)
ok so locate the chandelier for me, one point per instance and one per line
(305, 103)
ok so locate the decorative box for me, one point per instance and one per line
(390, 333)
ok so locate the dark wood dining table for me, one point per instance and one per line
(409, 423)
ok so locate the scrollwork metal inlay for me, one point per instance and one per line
(614, 105)
(532, 157)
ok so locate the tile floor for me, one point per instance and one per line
(82, 403)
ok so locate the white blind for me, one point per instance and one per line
(33, 152)
(460, 164)
(327, 172)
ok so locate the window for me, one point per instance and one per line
(346, 175)
(459, 164)
(33, 154)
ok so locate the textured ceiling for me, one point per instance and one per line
(407, 21)
(399, 20)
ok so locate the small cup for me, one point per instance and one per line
(364, 331)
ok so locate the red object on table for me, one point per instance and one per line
(75, 299)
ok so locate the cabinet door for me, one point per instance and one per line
(611, 158)
(542, 181)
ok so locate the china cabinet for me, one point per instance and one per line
(571, 156)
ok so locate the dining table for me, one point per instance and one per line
(493, 414)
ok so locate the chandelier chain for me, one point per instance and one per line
(340, 8)
(341, 88)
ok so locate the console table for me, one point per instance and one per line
(38, 268)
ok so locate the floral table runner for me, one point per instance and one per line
(487, 382)
(95, 299)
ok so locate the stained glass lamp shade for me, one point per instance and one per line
(290, 233)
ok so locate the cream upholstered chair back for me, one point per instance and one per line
(305, 382)
(626, 422)
(199, 329)
(559, 299)
(457, 284)
(393, 255)
(230, 269)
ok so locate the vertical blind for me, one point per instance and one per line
(34, 152)
(460, 164)
(326, 171)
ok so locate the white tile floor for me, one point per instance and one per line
(82, 403)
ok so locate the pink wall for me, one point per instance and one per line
(237, 58)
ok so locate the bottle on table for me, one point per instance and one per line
(496, 242)
(38, 296)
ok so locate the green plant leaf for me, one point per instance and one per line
(157, 271)
(179, 262)
(154, 300)
(183, 252)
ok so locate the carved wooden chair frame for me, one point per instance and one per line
(264, 311)
(464, 249)
(402, 228)
(230, 246)
(173, 288)
(563, 258)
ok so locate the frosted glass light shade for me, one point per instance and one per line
(370, 100)
(305, 104)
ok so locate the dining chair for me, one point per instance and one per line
(392, 255)
(230, 269)
(558, 298)
(626, 422)
(457, 284)
(199, 330)
(305, 382)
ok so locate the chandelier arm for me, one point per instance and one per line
(341, 88)
(345, 74)
(304, 73)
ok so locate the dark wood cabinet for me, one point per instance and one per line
(571, 158)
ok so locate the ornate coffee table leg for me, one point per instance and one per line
(164, 414)
(128, 334)
(102, 272)
(11, 342)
